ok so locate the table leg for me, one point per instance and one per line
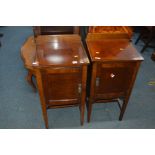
(83, 95)
(92, 91)
(30, 80)
(123, 109)
(42, 98)
(126, 100)
(90, 104)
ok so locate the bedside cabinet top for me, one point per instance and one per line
(55, 50)
(112, 50)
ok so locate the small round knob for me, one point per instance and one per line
(112, 75)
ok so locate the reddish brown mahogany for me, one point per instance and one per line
(59, 63)
(115, 63)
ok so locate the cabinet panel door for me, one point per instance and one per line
(114, 78)
(63, 87)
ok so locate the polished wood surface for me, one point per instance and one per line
(115, 63)
(60, 66)
(112, 49)
(66, 50)
(54, 50)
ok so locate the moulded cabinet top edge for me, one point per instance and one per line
(113, 50)
(63, 52)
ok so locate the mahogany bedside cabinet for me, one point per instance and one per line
(60, 66)
(114, 65)
(49, 30)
